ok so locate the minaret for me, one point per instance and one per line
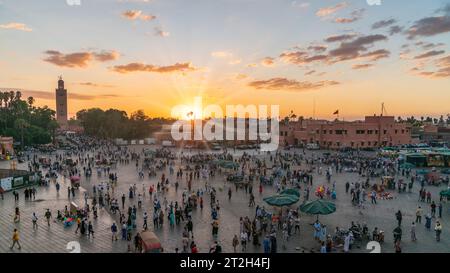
(61, 103)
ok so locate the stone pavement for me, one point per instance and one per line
(56, 237)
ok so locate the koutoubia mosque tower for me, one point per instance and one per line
(61, 103)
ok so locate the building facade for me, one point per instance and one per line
(6, 147)
(372, 132)
(61, 103)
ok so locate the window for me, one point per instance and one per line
(362, 143)
(403, 131)
(324, 132)
(338, 132)
(369, 143)
(396, 131)
(352, 144)
(360, 132)
(376, 132)
(369, 132)
(331, 132)
(385, 132)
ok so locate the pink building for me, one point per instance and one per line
(374, 131)
(6, 146)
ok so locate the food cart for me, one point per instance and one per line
(75, 181)
(150, 243)
(44, 161)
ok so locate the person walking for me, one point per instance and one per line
(419, 215)
(433, 209)
(438, 230)
(114, 232)
(244, 239)
(90, 230)
(428, 221)
(34, 219)
(373, 197)
(235, 242)
(17, 215)
(440, 209)
(78, 225)
(48, 215)
(399, 217)
(413, 232)
(15, 239)
(266, 244)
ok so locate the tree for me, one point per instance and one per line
(21, 124)
(21, 120)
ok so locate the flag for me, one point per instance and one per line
(336, 112)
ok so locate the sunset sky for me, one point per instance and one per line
(155, 54)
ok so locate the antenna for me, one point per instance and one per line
(383, 109)
(314, 108)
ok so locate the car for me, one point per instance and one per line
(312, 146)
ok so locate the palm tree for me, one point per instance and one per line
(52, 126)
(21, 124)
(30, 101)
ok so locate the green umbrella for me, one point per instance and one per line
(407, 165)
(228, 164)
(445, 171)
(422, 172)
(281, 200)
(318, 207)
(445, 193)
(291, 192)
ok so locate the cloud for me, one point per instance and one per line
(105, 56)
(427, 46)
(79, 59)
(395, 29)
(159, 32)
(445, 9)
(16, 26)
(442, 69)
(318, 48)
(354, 49)
(137, 14)
(310, 72)
(429, 54)
(252, 65)
(241, 76)
(340, 38)
(354, 16)
(429, 26)
(331, 10)
(289, 85)
(301, 57)
(51, 95)
(302, 5)
(221, 54)
(376, 55)
(140, 67)
(383, 23)
(268, 62)
(361, 66)
(235, 61)
(91, 84)
(349, 49)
